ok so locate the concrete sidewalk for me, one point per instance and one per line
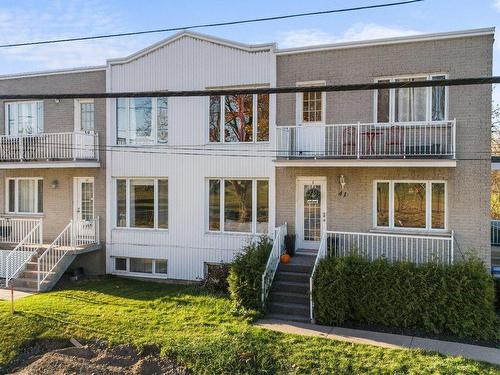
(5, 294)
(385, 340)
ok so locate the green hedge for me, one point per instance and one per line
(457, 299)
(245, 276)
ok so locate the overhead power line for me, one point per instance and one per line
(207, 25)
(267, 90)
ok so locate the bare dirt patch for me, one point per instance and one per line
(96, 359)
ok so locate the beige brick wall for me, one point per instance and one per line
(59, 117)
(468, 183)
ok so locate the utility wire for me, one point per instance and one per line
(208, 25)
(267, 90)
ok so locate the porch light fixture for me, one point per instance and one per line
(54, 184)
(342, 183)
(56, 101)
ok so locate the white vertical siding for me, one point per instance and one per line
(186, 64)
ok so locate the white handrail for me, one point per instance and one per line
(74, 235)
(273, 260)
(322, 253)
(367, 140)
(49, 146)
(22, 253)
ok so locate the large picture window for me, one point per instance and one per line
(141, 121)
(24, 195)
(411, 103)
(24, 118)
(238, 205)
(410, 204)
(142, 203)
(239, 118)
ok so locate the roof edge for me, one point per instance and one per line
(53, 72)
(383, 41)
(205, 37)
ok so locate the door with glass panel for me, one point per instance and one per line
(311, 212)
(84, 205)
(84, 129)
(310, 134)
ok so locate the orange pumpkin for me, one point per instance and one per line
(285, 258)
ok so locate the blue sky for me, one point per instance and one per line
(23, 20)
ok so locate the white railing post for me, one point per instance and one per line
(21, 149)
(358, 140)
(454, 135)
(452, 247)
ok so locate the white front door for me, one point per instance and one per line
(83, 199)
(311, 211)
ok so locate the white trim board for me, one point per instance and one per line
(194, 35)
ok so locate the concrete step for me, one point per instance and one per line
(294, 267)
(288, 308)
(306, 252)
(298, 277)
(293, 318)
(31, 266)
(290, 287)
(288, 297)
(25, 289)
(22, 282)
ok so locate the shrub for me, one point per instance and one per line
(457, 299)
(245, 276)
(215, 279)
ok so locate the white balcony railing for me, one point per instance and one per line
(49, 146)
(14, 230)
(426, 139)
(394, 247)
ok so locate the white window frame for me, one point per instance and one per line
(78, 114)
(127, 203)
(222, 204)
(16, 195)
(223, 122)
(299, 103)
(14, 105)
(154, 123)
(140, 274)
(428, 205)
(392, 96)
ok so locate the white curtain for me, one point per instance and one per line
(27, 196)
(411, 102)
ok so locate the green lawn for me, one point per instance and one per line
(199, 330)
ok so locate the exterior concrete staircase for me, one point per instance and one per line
(289, 295)
(28, 280)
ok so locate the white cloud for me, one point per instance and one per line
(496, 4)
(305, 37)
(65, 19)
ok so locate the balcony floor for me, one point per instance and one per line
(322, 161)
(50, 164)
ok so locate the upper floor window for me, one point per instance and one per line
(311, 105)
(24, 118)
(84, 115)
(411, 103)
(410, 204)
(239, 118)
(141, 120)
(24, 195)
